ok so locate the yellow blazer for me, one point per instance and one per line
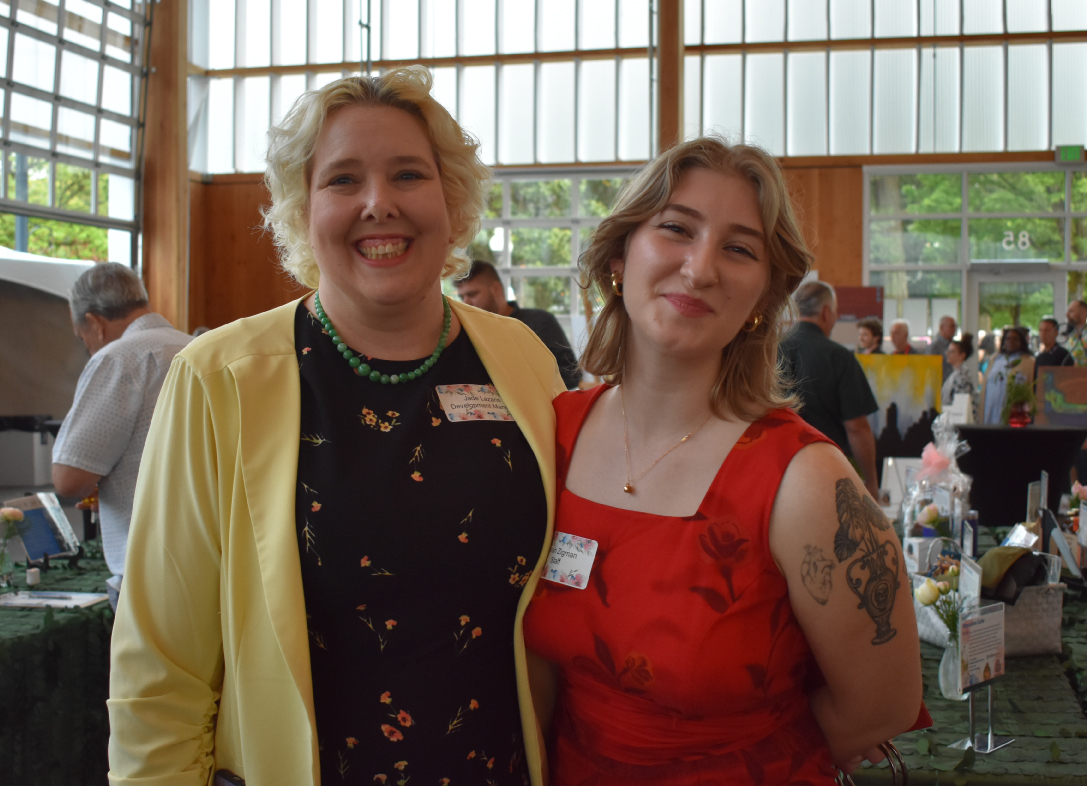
(210, 656)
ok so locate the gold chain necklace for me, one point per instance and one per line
(629, 486)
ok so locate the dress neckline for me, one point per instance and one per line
(594, 394)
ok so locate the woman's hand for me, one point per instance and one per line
(874, 755)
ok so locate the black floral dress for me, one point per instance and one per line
(417, 533)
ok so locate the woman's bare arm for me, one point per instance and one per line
(850, 592)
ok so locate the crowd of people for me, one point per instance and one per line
(380, 534)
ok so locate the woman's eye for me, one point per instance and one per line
(340, 180)
(676, 228)
(409, 176)
(741, 250)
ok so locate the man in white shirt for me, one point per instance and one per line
(101, 440)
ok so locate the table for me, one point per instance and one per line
(1003, 460)
(1040, 702)
(54, 681)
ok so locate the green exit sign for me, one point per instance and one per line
(1069, 154)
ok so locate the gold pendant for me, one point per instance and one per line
(629, 489)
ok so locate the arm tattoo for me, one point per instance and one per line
(872, 573)
(816, 572)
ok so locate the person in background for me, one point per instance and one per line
(101, 440)
(942, 340)
(1072, 337)
(1050, 353)
(833, 391)
(958, 381)
(346, 501)
(482, 288)
(869, 336)
(714, 639)
(1012, 362)
(900, 338)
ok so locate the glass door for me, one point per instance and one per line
(1014, 298)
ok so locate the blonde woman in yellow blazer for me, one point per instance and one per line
(211, 654)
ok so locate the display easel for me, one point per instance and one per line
(982, 743)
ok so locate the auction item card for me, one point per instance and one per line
(981, 646)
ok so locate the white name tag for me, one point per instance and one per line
(571, 560)
(472, 402)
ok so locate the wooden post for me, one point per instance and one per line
(669, 73)
(166, 169)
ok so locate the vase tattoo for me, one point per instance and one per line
(872, 573)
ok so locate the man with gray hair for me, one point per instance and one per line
(828, 379)
(101, 440)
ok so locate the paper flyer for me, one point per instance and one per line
(981, 646)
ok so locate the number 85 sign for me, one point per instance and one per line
(1010, 241)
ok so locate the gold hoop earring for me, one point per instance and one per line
(754, 324)
(616, 283)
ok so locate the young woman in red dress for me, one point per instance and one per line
(746, 616)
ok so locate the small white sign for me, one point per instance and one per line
(571, 560)
(969, 582)
(981, 646)
(960, 411)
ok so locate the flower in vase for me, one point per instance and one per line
(928, 593)
(930, 514)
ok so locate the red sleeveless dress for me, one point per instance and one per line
(681, 661)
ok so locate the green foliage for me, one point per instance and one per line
(1013, 304)
(598, 196)
(60, 238)
(540, 198)
(1019, 392)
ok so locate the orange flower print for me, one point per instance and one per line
(390, 624)
(473, 705)
(520, 560)
(366, 411)
(471, 755)
(370, 420)
(404, 719)
(385, 426)
(477, 632)
(417, 477)
(464, 618)
(380, 778)
(352, 742)
(365, 562)
(392, 414)
(443, 782)
(386, 698)
(316, 506)
(435, 422)
(496, 442)
(391, 733)
(463, 537)
(400, 765)
(306, 350)
(490, 763)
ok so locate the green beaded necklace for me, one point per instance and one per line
(362, 369)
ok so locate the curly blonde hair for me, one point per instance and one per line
(464, 177)
(750, 380)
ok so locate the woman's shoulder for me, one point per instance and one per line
(270, 333)
(781, 432)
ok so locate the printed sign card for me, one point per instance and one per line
(981, 646)
(571, 560)
(472, 402)
(969, 582)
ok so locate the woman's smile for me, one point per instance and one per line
(688, 306)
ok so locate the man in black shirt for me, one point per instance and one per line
(1050, 353)
(483, 289)
(830, 382)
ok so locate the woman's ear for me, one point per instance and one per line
(616, 266)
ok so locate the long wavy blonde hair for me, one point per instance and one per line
(290, 163)
(750, 380)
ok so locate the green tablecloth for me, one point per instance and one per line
(54, 680)
(1039, 702)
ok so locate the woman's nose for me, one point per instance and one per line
(378, 200)
(700, 268)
